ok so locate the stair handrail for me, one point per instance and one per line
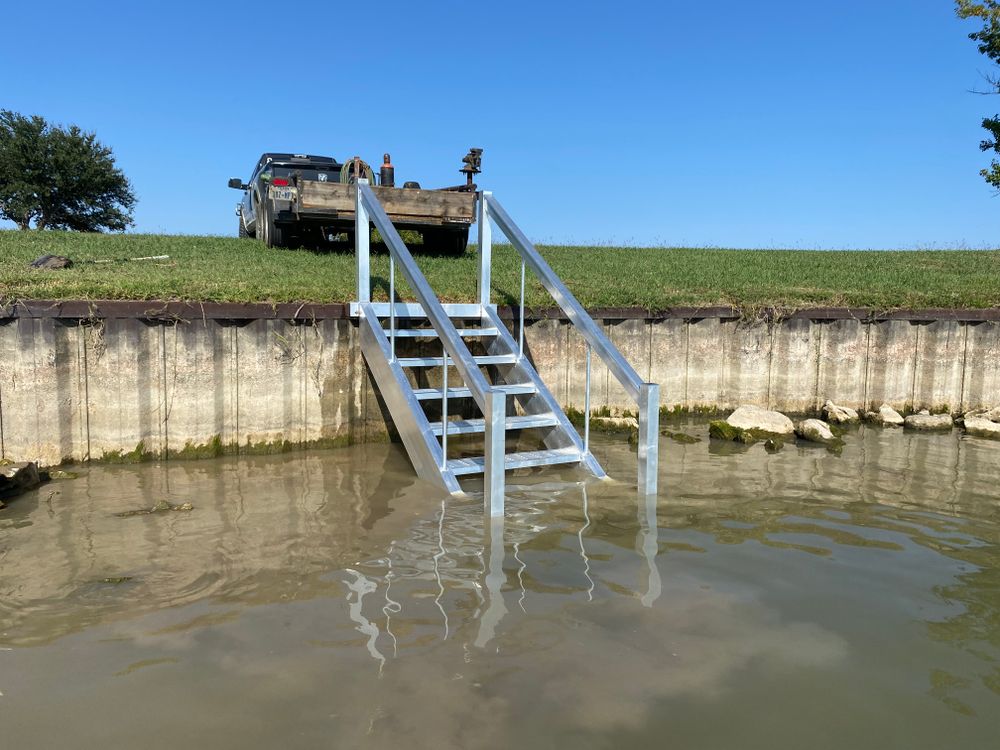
(646, 395)
(370, 209)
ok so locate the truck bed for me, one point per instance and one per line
(405, 206)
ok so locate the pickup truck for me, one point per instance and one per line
(299, 199)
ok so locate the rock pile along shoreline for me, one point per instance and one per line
(751, 424)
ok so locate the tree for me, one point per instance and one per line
(988, 39)
(59, 178)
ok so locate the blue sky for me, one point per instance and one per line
(768, 124)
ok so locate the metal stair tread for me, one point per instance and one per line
(492, 359)
(522, 460)
(511, 389)
(473, 426)
(430, 333)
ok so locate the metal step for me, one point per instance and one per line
(430, 333)
(523, 460)
(434, 394)
(473, 426)
(494, 359)
(416, 310)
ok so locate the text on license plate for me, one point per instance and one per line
(282, 193)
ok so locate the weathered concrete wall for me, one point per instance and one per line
(79, 388)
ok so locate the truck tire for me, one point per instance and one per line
(451, 242)
(273, 235)
(242, 232)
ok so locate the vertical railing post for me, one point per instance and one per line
(520, 308)
(496, 436)
(485, 248)
(362, 235)
(586, 407)
(444, 412)
(392, 307)
(649, 437)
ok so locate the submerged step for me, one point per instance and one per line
(523, 460)
(489, 359)
(473, 426)
(434, 394)
(430, 333)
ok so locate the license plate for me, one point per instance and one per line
(282, 193)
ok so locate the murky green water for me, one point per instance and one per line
(330, 600)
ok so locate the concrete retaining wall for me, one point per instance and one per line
(75, 386)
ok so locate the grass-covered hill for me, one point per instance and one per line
(234, 270)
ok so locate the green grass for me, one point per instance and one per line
(229, 269)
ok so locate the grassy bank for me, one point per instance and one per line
(229, 269)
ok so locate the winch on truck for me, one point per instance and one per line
(298, 199)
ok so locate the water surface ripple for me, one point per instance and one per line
(329, 599)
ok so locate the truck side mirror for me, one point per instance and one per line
(237, 183)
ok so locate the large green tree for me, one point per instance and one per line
(56, 177)
(988, 39)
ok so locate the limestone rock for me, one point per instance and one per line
(16, 478)
(749, 424)
(885, 416)
(761, 420)
(929, 422)
(839, 414)
(992, 415)
(981, 427)
(817, 431)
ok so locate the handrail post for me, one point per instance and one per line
(392, 307)
(362, 235)
(520, 309)
(485, 248)
(495, 464)
(649, 437)
(586, 407)
(444, 412)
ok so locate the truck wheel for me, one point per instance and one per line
(242, 231)
(446, 241)
(274, 236)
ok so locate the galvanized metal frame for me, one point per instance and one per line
(561, 439)
(491, 401)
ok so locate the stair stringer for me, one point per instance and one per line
(407, 414)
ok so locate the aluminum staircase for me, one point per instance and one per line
(467, 339)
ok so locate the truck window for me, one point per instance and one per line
(330, 173)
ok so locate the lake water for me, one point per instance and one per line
(329, 599)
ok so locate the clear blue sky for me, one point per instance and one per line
(767, 124)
